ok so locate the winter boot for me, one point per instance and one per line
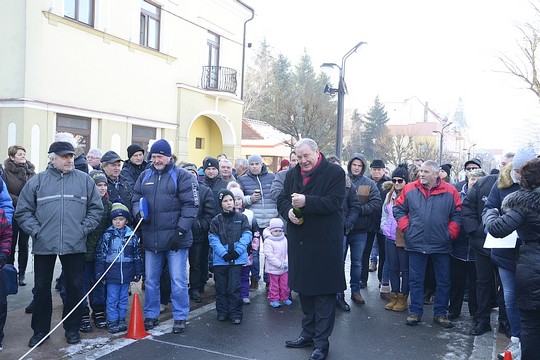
(99, 317)
(254, 283)
(401, 304)
(393, 301)
(385, 292)
(112, 327)
(85, 326)
(341, 303)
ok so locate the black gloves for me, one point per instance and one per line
(227, 257)
(176, 240)
(234, 254)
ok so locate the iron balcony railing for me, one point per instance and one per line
(219, 78)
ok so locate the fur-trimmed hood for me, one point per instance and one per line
(505, 177)
(526, 200)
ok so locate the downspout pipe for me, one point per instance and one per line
(244, 45)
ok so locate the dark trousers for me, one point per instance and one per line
(530, 334)
(228, 300)
(197, 259)
(381, 240)
(485, 286)
(72, 266)
(319, 317)
(21, 238)
(165, 284)
(3, 306)
(461, 273)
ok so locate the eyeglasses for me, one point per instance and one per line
(399, 181)
(471, 168)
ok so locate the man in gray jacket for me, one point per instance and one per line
(58, 208)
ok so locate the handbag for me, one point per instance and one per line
(9, 273)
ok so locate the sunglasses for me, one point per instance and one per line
(471, 168)
(399, 181)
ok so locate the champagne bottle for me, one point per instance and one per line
(299, 215)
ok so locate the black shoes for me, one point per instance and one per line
(30, 308)
(341, 303)
(22, 280)
(504, 328)
(236, 321)
(480, 328)
(222, 317)
(319, 354)
(149, 323)
(300, 342)
(72, 337)
(179, 326)
(37, 338)
(196, 296)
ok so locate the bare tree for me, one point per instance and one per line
(402, 149)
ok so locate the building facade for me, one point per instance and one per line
(122, 72)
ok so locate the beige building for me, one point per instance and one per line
(122, 72)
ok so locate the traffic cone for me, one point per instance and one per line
(507, 355)
(136, 325)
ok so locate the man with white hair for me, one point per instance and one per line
(225, 169)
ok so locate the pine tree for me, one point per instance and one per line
(375, 139)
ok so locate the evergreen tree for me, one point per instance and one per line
(375, 138)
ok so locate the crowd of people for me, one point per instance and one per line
(173, 226)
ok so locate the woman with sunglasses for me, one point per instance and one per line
(397, 257)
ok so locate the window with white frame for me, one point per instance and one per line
(150, 20)
(80, 10)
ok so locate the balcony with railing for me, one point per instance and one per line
(219, 78)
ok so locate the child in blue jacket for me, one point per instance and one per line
(126, 268)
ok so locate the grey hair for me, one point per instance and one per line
(225, 161)
(95, 151)
(51, 156)
(306, 141)
(432, 164)
(509, 155)
(477, 173)
(241, 162)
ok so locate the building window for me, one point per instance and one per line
(150, 18)
(213, 59)
(80, 10)
(199, 143)
(76, 125)
(141, 135)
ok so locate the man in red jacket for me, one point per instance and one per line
(428, 211)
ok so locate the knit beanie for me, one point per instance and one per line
(473, 161)
(221, 194)
(190, 167)
(446, 168)
(522, 156)
(211, 162)
(275, 223)
(401, 172)
(284, 162)
(237, 192)
(119, 209)
(98, 176)
(161, 147)
(255, 159)
(132, 149)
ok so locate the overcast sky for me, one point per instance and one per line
(438, 51)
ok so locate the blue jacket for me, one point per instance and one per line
(5, 201)
(128, 265)
(173, 201)
(230, 231)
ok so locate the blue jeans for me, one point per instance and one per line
(357, 243)
(417, 273)
(397, 260)
(117, 301)
(508, 280)
(179, 282)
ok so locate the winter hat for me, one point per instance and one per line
(446, 168)
(275, 223)
(255, 159)
(377, 164)
(190, 167)
(161, 147)
(210, 162)
(119, 209)
(98, 176)
(221, 194)
(401, 172)
(61, 148)
(132, 149)
(474, 161)
(237, 192)
(522, 156)
(284, 162)
(110, 157)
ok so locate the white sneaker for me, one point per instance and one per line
(514, 347)
(246, 301)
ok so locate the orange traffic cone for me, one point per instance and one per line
(507, 355)
(136, 325)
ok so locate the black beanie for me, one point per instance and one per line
(132, 149)
(401, 172)
(211, 162)
(446, 168)
(221, 194)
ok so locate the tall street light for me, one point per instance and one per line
(441, 142)
(469, 152)
(341, 91)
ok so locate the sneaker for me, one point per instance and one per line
(275, 304)
(179, 326)
(357, 298)
(246, 301)
(86, 326)
(99, 319)
(443, 321)
(112, 327)
(236, 321)
(412, 320)
(1, 348)
(149, 323)
(514, 347)
(372, 266)
(288, 302)
(72, 337)
(122, 325)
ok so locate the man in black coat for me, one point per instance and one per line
(315, 246)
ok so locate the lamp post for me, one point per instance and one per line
(341, 91)
(469, 151)
(441, 142)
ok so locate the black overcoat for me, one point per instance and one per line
(316, 247)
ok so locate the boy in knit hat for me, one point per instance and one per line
(97, 297)
(276, 263)
(126, 265)
(229, 238)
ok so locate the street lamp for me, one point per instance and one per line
(341, 91)
(441, 143)
(469, 152)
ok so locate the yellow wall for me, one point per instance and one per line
(206, 129)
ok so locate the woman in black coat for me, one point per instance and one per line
(522, 213)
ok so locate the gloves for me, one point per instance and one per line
(285, 266)
(136, 278)
(348, 227)
(176, 240)
(228, 257)
(3, 258)
(234, 254)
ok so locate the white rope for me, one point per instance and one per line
(84, 297)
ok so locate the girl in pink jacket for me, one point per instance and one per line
(276, 263)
